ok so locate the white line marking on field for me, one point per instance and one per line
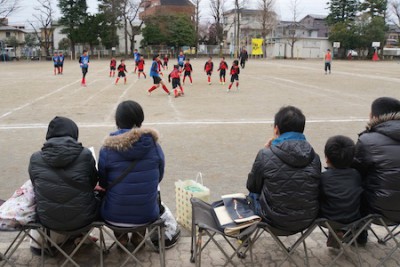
(36, 100)
(179, 123)
(178, 114)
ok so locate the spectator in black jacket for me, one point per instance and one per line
(378, 159)
(64, 175)
(341, 186)
(285, 176)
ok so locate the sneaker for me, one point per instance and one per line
(362, 239)
(227, 90)
(148, 93)
(169, 243)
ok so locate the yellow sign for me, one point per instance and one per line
(257, 47)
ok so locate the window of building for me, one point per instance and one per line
(8, 34)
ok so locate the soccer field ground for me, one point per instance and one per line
(208, 130)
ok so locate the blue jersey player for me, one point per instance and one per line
(181, 60)
(136, 57)
(84, 63)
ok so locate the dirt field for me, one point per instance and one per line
(208, 130)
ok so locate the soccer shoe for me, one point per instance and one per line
(228, 90)
(209, 83)
(148, 93)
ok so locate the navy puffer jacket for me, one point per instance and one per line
(287, 176)
(134, 199)
(378, 160)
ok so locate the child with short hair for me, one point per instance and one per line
(208, 68)
(235, 70)
(140, 66)
(166, 59)
(55, 62)
(136, 58)
(341, 185)
(60, 62)
(113, 66)
(223, 66)
(84, 64)
(121, 71)
(176, 81)
(154, 72)
(187, 71)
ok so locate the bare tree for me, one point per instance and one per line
(268, 19)
(294, 25)
(131, 9)
(239, 5)
(7, 7)
(395, 8)
(44, 17)
(217, 9)
(197, 22)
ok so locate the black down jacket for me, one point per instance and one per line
(378, 160)
(287, 176)
(61, 206)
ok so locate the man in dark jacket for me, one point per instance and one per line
(378, 159)
(243, 57)
(64, 175)
(285, 175)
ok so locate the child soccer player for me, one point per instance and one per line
(340, 185)
(328, 61)
(181, 60)
(188, 71)
(166, 59)
(176, 81)
(140, 66)
(208, 68)
(235, 70)
(113, 66)
(55, 62)
(154, 72)
(222, 70)
(84, 63)
(159, 66)
(60, 63)
(136, 57)
(121, 71)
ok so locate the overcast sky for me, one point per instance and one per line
(282, 8)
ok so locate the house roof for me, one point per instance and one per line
(176, 3)
(316, 16)
(11, 28)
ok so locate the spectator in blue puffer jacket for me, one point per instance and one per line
(134, 200)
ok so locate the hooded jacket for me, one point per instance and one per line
(287, 177)
(59, 205)
(378, 160)
(134, 199)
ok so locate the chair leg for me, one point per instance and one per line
(392, 236)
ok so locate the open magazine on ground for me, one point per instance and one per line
(234, 213)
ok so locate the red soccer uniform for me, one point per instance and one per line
(113, 63)
(140, 65)
(223, 65)
(187, 67)
(235, 70)
(208, 66)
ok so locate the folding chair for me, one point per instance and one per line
(23, 232)
(275, 233)
(391, 234)
(157, 226)
(205, 223)
(350, 235)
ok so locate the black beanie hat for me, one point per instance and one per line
(61, 126)
(384, 105)
(129, 114)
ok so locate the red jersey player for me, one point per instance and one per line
(222, 70)
(187, 68)
(208, 68)
(234, 75)
(140, 65)
(121, 71)
(176, 81)
(113, 66)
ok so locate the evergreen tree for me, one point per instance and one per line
(112, 11)
(342, 11)
(73, 16)
(375, 7)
